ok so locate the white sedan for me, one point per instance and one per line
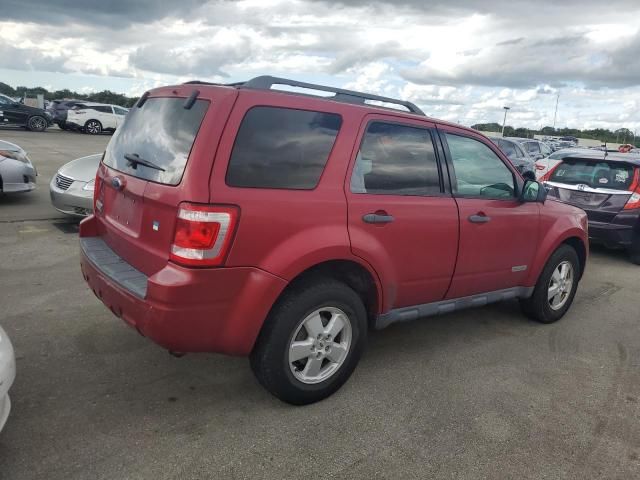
(7, 375)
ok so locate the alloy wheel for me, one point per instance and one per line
(560, 285)
(320, 345)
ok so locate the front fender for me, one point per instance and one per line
(558, 223)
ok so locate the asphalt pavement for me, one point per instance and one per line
(483, 393)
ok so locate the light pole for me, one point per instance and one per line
(555, 114)
(504, 120)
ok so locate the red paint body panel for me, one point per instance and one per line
(489, 251)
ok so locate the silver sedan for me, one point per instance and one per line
(7, 375)
(71, 189)
(17, 174)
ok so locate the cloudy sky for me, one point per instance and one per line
(459, 60)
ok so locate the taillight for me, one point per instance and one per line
(203, 234)
(547, 176)
(97, 189)
(634, 199)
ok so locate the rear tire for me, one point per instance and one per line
(37, 123)
(543, 308)
(634, 250)
(325, 316)
(93, 127)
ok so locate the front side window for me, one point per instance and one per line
(282, 148)
(396, 160)
(479, 172)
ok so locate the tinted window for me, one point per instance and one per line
(282, 148)
(120, 111)
(479, 171)
(618, 176)
(161, 131)
(5, 100)
(508, 149)
(396, 160)
(99, 108)
(532, 147)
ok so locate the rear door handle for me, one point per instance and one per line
(479, 218)
(377, 218)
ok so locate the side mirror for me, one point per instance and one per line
(533, 191)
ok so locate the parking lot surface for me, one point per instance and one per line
(482, 393)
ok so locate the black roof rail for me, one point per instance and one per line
(265, 82)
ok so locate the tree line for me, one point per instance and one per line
(106, 96)
(621, 135)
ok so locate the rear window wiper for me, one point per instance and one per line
(134, 160)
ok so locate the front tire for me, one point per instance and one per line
(37, 123)
(311, 341)
(93, 127)
(556, 287)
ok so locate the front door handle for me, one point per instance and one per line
(377, 218)
(479, 218)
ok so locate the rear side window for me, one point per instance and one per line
(396, 160)
(617, 176)
(162, 131)
(533, 147)
(100, 108)
(282, 148)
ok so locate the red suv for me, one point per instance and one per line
(252, 221)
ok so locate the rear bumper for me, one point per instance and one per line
(621, 231)
(190, 310)
(611, 234)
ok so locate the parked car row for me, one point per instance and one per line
(88, 117)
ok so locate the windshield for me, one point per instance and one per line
(161, 132)
(613, 175)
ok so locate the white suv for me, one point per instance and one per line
(95, 118)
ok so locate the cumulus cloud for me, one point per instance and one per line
(461, 60)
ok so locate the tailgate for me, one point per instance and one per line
(156, 160)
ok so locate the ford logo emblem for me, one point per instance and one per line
(117, 183)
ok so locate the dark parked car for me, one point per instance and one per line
(59, 110)
(608, 189)
(535, 148)
(17, 114)
(249, 221)
(518, 156)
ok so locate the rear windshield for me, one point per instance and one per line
(162, 132)
(617, 176)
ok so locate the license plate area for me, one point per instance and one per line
(124, 211)
(586, 199)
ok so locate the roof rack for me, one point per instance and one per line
(266, 82)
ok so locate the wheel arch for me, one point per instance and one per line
(361, 278)
(578, 245)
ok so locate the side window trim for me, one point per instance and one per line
(445, 189)
(517, 180)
